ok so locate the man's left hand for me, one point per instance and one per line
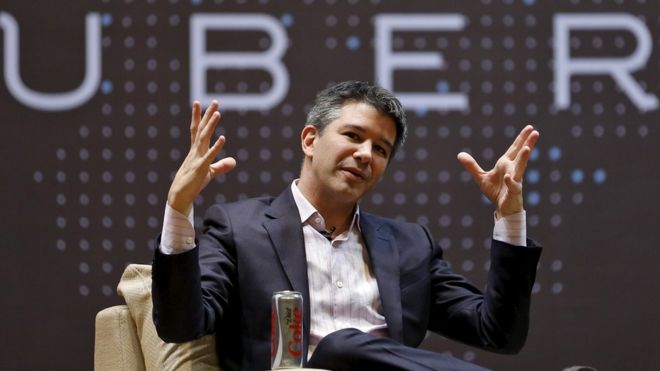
(502, 184)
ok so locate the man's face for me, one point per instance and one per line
(350, 156)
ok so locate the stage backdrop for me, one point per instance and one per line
(94, 106)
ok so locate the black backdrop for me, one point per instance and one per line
(86, 167)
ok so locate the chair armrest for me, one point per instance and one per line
(116, 344)
(196, 355)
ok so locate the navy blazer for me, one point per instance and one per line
(252, 248)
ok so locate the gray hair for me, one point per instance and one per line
(329, 102)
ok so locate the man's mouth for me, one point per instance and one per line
(355, 173)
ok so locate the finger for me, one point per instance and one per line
(222, 166)
(210, 111)
(470, 164)
(519, 142)
(194, 120)
(522, 159)
(520, 163)
(214, 151)
(207, 132)
(515, 187)
(532, 139)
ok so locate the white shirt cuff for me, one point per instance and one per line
(511, 229)
(178, 235)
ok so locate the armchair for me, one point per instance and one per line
(126, 339)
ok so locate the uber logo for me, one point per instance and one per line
(386, 59)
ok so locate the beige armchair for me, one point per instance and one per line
(126, 338)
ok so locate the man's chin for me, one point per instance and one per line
(355, 191)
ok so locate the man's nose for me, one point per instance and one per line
(363, 152)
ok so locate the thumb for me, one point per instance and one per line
(222, 166)
(469, 163)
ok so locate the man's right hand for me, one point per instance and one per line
(198, 167)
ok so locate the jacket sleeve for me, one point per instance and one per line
(496, 320)
(191, 291)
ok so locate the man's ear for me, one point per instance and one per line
(308, 138)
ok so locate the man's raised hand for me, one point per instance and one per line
(198, 167)
(502, 184)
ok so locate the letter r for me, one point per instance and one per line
(619, 68)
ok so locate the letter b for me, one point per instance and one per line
(269, 60)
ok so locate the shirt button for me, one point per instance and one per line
(340, 284)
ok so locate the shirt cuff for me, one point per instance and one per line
(511, 229)
(178, 235)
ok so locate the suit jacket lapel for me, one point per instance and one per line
(285, 231)
(385, 263)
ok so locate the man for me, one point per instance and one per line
(371, 286)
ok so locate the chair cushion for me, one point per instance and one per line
(135, 287)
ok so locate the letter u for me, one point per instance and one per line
(52, 101)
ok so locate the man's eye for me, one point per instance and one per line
(381, 150)
(352, 135)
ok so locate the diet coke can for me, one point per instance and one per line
(286, 330)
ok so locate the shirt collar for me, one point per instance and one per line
(307, 210)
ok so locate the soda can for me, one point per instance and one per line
(287, 346)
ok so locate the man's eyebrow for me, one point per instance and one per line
(362, 130)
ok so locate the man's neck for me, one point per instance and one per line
(337, 222)
(336, 214)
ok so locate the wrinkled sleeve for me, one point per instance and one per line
(192, 290)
